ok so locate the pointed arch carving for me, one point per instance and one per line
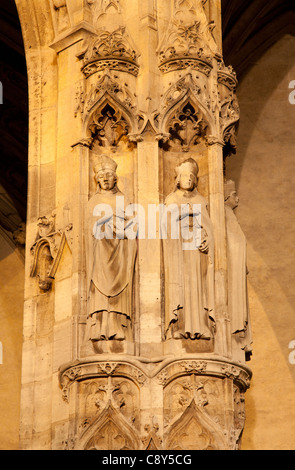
(108, 126)
(101, 7)
(185, 116)
(108, 112)
(109, 431)
(194, 430)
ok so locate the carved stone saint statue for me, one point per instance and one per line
(110, 259)
(237, 273)
(189, 266)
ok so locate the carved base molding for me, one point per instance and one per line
(200, 403)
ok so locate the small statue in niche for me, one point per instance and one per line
(110, 259)
(189, 272)
(237, 272)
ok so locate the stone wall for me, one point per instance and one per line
(11, 325)
(264, 170)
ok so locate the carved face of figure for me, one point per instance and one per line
(106, 179)
(233, 200)
(186, 180)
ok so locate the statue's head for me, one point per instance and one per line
(187, 175)
(105, 173)
(230, 194)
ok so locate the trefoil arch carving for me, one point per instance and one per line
(185, 116)
(109, 431)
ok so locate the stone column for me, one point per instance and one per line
(140, 87)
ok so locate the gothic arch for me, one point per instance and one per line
(108, 109)
(263, 24)
(183, 115)
(109, 431)
(187, 89)
(194, 430)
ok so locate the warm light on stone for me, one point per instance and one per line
(133, 343)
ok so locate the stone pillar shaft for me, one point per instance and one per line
(129, 98)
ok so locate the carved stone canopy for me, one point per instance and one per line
(110, 50)
(182, 47)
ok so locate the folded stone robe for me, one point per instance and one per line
(237, 279)
(110, 260)
(189, 275)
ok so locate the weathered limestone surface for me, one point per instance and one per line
(138, 88)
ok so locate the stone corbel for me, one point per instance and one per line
(241, 375)
(47, 251)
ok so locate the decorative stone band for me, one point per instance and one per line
(110, 63)
(89, 370)
(140, 371)
(181, 63)
(219, 368)
(227, 79)
(110, 50)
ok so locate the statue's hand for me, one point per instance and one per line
(204, 246)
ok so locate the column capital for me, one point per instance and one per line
(213, 140)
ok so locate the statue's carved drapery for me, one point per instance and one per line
(110, 257)
(189, 264)
(237, 273)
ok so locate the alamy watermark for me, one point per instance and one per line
(292, 94)
(173, 222)
(1, 353)
(292, 354)
(1, 93)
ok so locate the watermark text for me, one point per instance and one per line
(292, 94)
(175, 222)
(292, 354)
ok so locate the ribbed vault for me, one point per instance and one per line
(250, 27)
